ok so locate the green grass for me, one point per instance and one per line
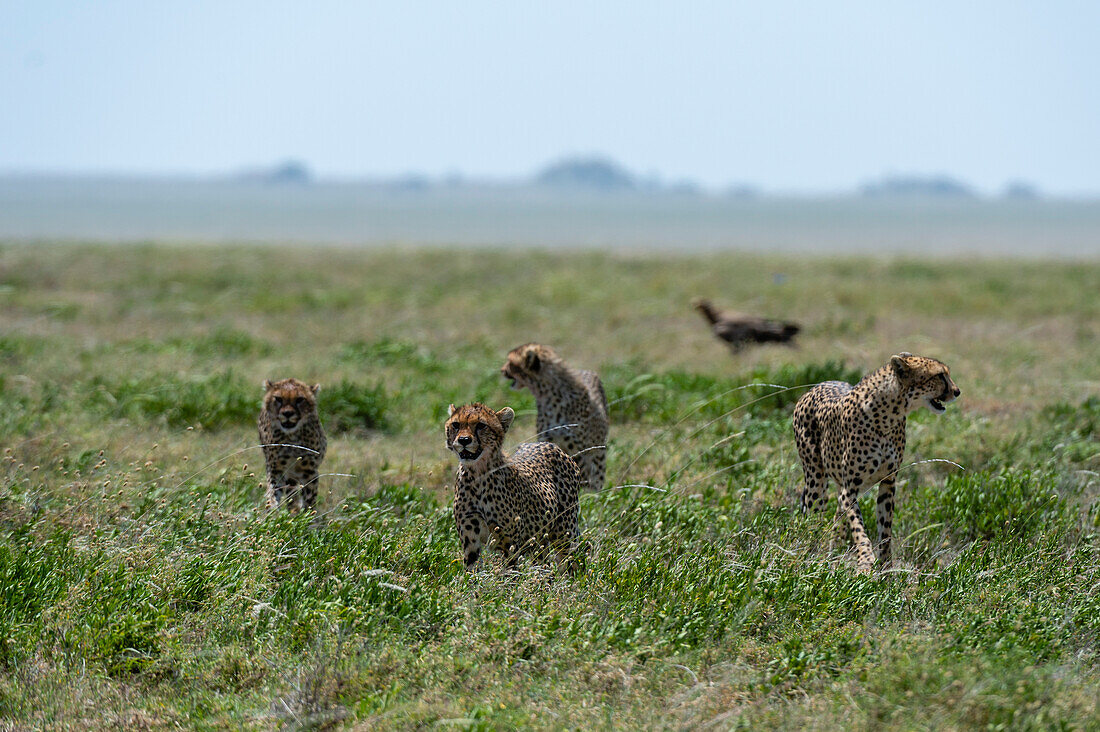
(142, 584)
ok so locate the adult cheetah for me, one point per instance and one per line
(856, 436)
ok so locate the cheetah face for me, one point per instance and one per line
(525, 363)
(927, 382)
(474, 430)
(290, 402)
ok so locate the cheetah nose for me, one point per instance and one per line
(464, 440)
(957, 391)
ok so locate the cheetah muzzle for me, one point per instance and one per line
(950, 393)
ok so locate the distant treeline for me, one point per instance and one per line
(596, 173)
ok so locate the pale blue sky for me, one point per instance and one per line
(790, 96)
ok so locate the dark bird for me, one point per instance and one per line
(738, 329)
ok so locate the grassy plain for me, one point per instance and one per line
(143, 586)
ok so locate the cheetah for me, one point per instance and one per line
(522, 503)
(293, 442)
(856, 436)
(572, 406)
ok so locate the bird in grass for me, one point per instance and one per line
(738, 329)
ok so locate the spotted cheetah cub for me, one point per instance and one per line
(526, 502)
(293, 442)
(856, 436)
(572, 406)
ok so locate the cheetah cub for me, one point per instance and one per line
(525, 502)
(856, 436)
(572, 406)
(293, 442)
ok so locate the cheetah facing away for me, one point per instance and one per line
(855, 435)
(572, 406)
(526, 502)
(293, 443)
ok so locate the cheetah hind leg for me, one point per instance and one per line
(841, 533)
(814, 494)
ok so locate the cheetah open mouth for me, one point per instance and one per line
(288, 425)
(469, 454)
(938, 404)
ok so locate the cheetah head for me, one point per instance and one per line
(290, 402)
(926, 382)
(474, 430)
(526, 364)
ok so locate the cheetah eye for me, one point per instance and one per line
(480, 426)
(300, 402)
(278, 401)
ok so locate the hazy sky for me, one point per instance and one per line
(806, 96)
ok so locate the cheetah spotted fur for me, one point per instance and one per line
(855, 435)
(293, 443)
(572, 406)
(526, 502)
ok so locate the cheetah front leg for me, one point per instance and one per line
(300, 501)
(595, 467)
(849, 507)
(274, 494)
(275, 479)
(304, 474)
(306, 497)
(569, 558)
(473, 532)
(290, 494)
(884, 515)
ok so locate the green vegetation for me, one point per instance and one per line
(142, 585)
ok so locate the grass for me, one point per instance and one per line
(142, 584)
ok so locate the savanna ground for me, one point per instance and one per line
(143, 585)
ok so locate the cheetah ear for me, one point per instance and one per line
(315, 388)
(901, 367)
(267, 384)
(532, 362)
(506, 416)
(451, 410)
